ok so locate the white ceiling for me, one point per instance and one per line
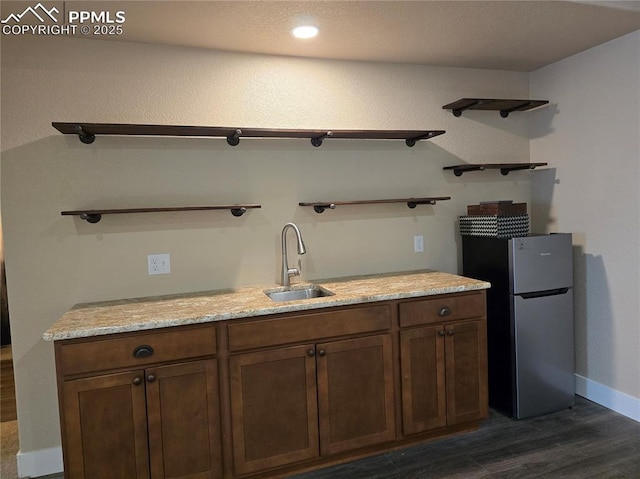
(519, 35)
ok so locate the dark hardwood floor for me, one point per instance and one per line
(587, 441)
(7, 386)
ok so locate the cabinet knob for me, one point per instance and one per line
(441, 333)
(143, 351)
(137, 381)
(311, 353)
(322, 352)
(444, 311)
(450, 332)
(151, 378)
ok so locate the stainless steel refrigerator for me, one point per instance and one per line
(529, 320)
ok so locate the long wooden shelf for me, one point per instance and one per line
(504, 168)
(320, 206)
(503, 106)
(93, 216)
(88, 131)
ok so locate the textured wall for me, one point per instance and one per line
(54, 262)
(592, 137)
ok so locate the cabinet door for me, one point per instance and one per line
(274, 410)
(183, 417)
(422, 365)
(105, 427)
(466, 365)
(355, 393)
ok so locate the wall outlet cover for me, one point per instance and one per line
(159, 263)
(418, 244)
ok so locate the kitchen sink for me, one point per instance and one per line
(296, 293)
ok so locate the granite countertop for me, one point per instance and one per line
(94, 319)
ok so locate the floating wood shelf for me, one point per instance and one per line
(93, 216)
(504, 168)
(87, 132)
(320, 206)
(503, 106)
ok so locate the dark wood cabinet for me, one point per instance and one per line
(154, 422)
(466, 370)
(423, 379)
(355, 393)
(274, 408)
(105, 427)
(270, 396)
(443, 366)
(298, 403)
(183, 420)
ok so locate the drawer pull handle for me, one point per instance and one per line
(450, 332)
(151, 378)
(444, 311)
(311, 353)
(441, 333)
(137, 381)
(322, 352)
(143, 351)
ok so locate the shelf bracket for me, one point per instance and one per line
(505, 113)
(86, 138)
(413, 204)
(411, 142)
(238, 211)
(460, 171)
(505, 170)
(234, 139)
(317, 140)
(458, 111)
(320, 208)
(91, 217)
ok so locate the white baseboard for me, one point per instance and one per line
(40, 463)
(610, 398)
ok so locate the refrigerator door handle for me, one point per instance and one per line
(541, 294)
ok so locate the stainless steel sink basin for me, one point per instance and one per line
(297, 293)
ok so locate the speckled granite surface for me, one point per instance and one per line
(94, 319)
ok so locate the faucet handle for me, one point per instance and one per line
(295, 271)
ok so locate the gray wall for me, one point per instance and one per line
(592, 138)
(54, 262)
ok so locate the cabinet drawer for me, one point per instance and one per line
(83, 356)
(442, 308)
(308, 327)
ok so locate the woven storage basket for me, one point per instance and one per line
(495, 226)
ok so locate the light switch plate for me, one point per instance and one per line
(418, 244)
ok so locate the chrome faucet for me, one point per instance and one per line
(287, 272)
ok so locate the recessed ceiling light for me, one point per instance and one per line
(305, 31)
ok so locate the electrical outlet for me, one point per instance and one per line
(159, 263)
(418, 244)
